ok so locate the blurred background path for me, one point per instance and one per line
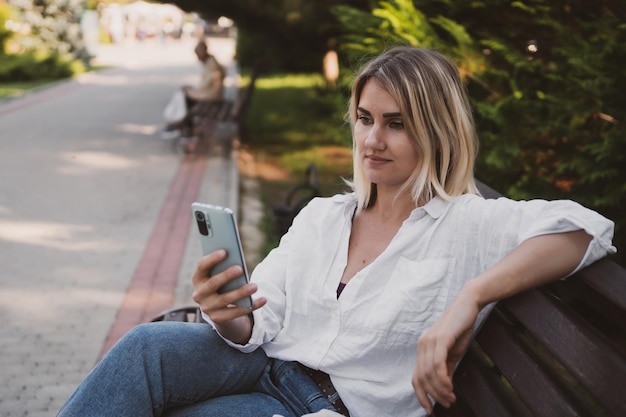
(84, 182)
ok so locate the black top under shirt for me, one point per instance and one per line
(340, 288)
(341, 284)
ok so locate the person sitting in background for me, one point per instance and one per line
(210, 88)
(372, 297)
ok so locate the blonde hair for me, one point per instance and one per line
(437, 115)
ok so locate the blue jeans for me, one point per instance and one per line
(186, 370)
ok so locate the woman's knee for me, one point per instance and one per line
(183, 339)
(164, 336)
(151, 333)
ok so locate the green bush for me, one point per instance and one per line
(31, 67)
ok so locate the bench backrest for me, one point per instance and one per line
(297, 197)
(559, 350)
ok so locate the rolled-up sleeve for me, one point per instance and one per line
(503, 224)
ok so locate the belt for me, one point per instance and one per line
(322, 380)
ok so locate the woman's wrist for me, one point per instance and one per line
(238, 330)
(474, 292)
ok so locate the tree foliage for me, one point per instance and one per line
(545, 78)
(288, 35)
(54, 26)
(5, 32)
(40, 40)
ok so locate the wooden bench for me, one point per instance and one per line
(555, 351)
(188, 314)
(297, 197)
(207, 115)
(559, 350)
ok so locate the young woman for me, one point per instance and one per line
(374, 293)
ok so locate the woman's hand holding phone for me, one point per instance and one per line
(232, 321)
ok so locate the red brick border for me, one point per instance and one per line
(152, 287)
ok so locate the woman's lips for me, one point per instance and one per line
(375, 160)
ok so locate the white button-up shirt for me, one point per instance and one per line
(367, 339)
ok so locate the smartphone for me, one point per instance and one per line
(217, 228)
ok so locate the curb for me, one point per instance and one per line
(153, 285)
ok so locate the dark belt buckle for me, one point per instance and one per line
(322, 380)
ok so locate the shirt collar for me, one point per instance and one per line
(434, 208)
(349, 202)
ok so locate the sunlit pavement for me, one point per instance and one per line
(84, 181)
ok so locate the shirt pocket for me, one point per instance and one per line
(414, 296)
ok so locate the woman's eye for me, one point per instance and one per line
(364, 119)
(396, 124)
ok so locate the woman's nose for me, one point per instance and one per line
(374, 139)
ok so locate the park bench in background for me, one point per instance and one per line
(206, 112)
(555, 351)
(207, 115)
(297, 197)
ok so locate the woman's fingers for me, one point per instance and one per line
(206, 289)
(221, 307)
(432, 380)
(233, 311)
(205, 264)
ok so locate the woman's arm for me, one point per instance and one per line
(534, 262)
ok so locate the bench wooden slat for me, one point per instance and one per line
(481, 391)
(608, 279)
(525, 372)
(226, 111)
(592, 302)
(486, 191)
(297, 197)
(570, 338)
(209, 111)
(191, 314)
(576, 345)
(581, 349)
(176, 316)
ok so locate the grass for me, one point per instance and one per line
(293, 120)
(18, 88)
(295, 112)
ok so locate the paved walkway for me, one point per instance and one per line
(95, 217)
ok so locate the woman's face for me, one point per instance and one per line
(382, 142)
